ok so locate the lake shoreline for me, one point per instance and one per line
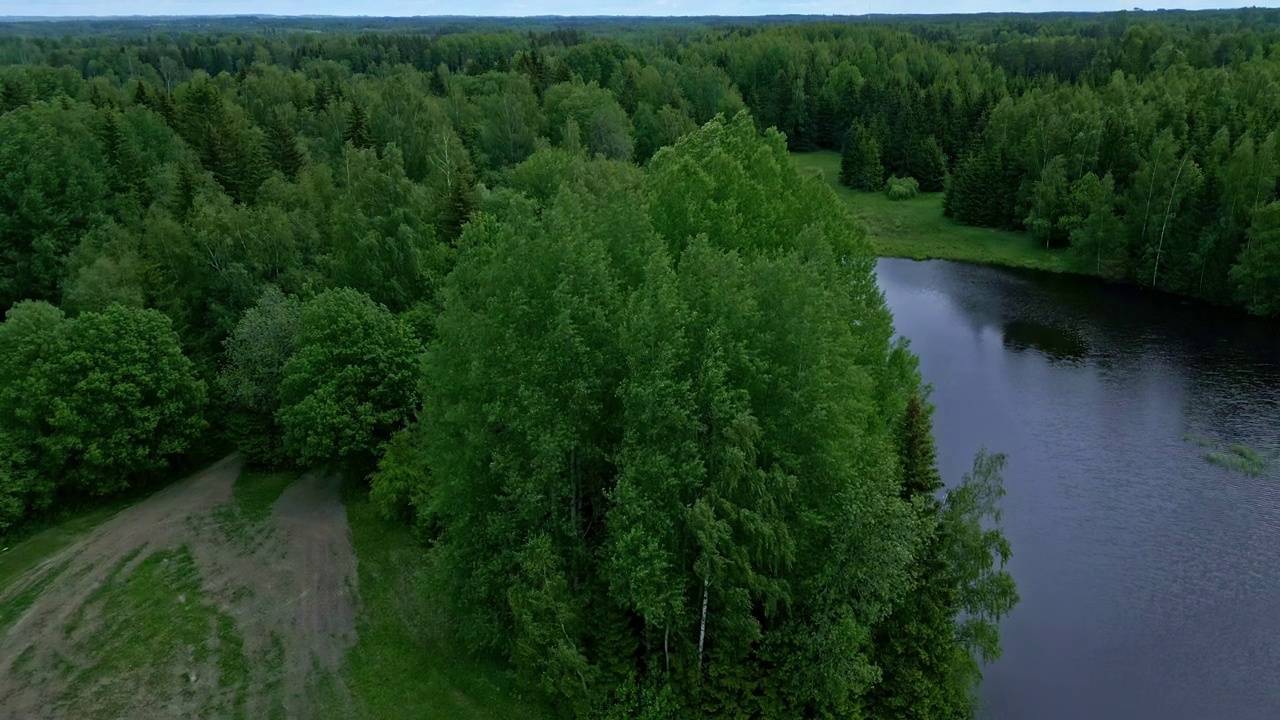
(916, 229)
(1138, 559)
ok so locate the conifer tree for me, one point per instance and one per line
(860, 166)
(357, 130)
(282, 146)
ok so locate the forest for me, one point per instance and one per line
(559, 294)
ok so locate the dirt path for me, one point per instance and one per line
(288, 583)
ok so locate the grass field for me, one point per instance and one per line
(26, 552)
(404, 665)
(157, 626)
(160, 632)
(917, 229)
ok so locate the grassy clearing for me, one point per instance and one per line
(15, 605)
(77, 617)
(17, 556)
(915, 228)
(159, 638)
(244, 518)
(256, 492)
(148, 633)
(403, 665)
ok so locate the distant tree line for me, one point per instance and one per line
(1022, 118)
(1148, 148)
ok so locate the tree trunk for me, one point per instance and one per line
(1146, 215)
(1168, 208)
(573, 515)
(1098, 241)
(666, 648)
(702, 631)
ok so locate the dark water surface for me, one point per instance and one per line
(1150, 578)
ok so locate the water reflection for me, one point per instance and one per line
(1150, 578)
(1056, 343)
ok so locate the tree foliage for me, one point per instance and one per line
(632, 490)
(90, 405)
(349, 382)
(249, 380)
(860, 166)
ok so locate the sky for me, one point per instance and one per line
(574, 7)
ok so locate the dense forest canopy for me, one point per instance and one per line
(558, 288)
(1141, 141)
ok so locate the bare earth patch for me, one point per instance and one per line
(259, 629)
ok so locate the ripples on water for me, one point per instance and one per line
(1150, 578)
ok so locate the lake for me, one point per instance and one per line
(1150, 578)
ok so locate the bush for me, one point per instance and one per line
(901, 188)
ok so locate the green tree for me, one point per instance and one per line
(604, 125)
(657, 129)
(984, 189)
(1256, 276)
(349, 383)
(108, 267)
(357, 130)
(253, 361)
(1097, 238)
(927, 163)
(108, 399)
(1050, 202)
(510, 118)
(285, 153)
(380, 229)
(127, 399)
(860, 166)
(623, 469)
(978, 553)
(54, 186)
(227, 143)
(27, 337)
(901, 188)
(452, 184)
(917, 651)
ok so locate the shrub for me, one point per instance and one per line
(901, 188)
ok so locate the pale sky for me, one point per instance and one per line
(574, 7)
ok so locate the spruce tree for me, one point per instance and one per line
(860, 166)
(357, 132)
(927, 163)
(916, 647)
(282, 146)
(16, 93)
(141, 97)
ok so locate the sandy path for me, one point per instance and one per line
(289, 583)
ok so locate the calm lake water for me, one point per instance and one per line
(1150, 578)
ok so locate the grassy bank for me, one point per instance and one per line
(917, 229)
(404, 665)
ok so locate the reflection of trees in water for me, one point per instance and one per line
(1111, 322)
(1055, 343)
(1225, 365)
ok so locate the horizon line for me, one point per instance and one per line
(554, 16)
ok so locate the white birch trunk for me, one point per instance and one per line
(1168, 208)
(702, 630)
